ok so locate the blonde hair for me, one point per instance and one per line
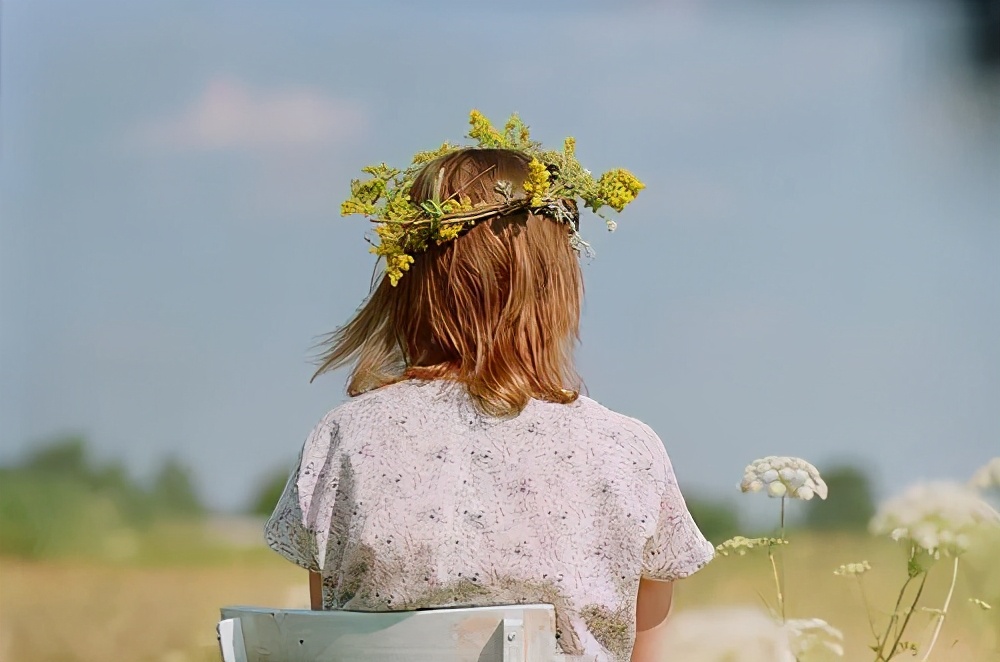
(496, 309)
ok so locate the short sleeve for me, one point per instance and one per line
(299, 527)
(677, 548)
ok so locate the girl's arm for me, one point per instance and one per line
(315, 591)
(652, 606)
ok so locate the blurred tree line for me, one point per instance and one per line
(57, 500)
(268, 493)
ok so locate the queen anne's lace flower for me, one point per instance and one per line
(853, 569)
(740, 545)
(987, 476)
(938, 517)
(814, 640)
(782, 476)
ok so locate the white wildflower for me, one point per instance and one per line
(982, 604)
(782, 476)
(852, 569)
(814, 640)
(725, 634)
(739, 545)
(987, 476)
(939, 517)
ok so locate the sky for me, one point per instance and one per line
(812, 270)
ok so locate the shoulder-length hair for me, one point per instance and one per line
(496, 309)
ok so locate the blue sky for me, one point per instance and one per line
(814, 268)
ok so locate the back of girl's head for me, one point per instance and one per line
(497, 309)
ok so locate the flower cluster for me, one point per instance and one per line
(406, 227)
(536, 186)
(618, 188)
(937, 518)
(988, 476)
(853, 569)
(783, 477)
(749, 635)
(740, 545)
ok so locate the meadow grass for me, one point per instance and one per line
(161, 604)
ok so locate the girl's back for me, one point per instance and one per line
(415, 499)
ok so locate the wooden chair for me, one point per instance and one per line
(517, 633)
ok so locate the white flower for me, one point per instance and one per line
(937, 517)
(814, 640)
(852, 569)
(724, 634)
(740, 545)
(987, 476)
(782, 476)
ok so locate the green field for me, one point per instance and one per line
(160, 604)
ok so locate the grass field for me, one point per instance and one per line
(162, 604)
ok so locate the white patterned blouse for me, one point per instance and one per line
(408, 497)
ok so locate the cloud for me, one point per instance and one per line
(230, 116)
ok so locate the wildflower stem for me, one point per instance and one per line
(868, 607)
(777, 582)
(944, 612)
(909, 613)
(880, 656)
(781, 582)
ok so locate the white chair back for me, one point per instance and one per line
(517, 633)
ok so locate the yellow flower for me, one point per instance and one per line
(426, 157)
(388, 232)
(399, 208)
(464, 203)
(449, 231)
(483, 131)
(353, 206)
(618, 188)
(395, 265)
(537, 183)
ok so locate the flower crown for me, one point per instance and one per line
(555, 181)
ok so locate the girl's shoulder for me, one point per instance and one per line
(602, 426)
(599, 418)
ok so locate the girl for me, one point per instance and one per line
(467, 469)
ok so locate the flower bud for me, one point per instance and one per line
(776, 490)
